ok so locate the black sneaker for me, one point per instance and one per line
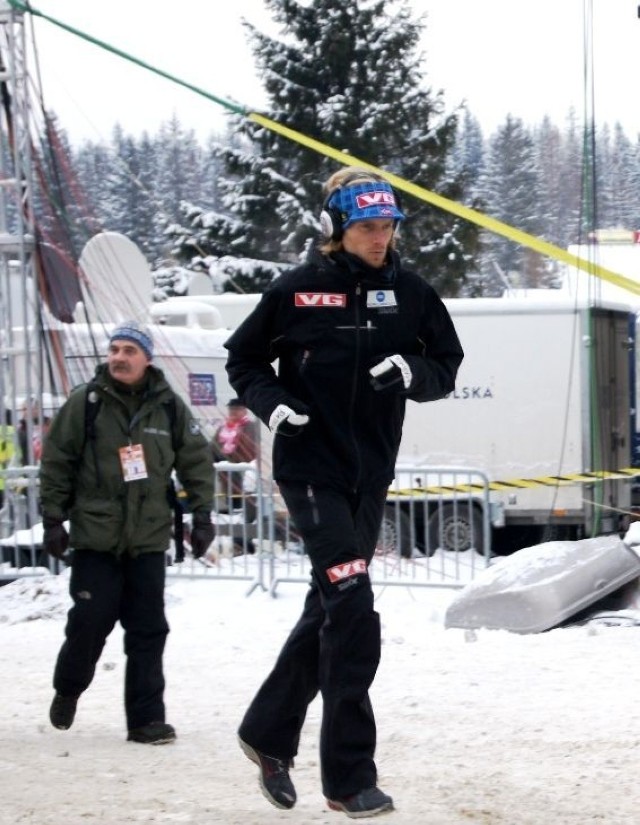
(369, 802)
(155, 733)
(275, 781)
(63, 711)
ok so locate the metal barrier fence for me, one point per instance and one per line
(20, 526)
(435, 531)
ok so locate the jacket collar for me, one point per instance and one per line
(345, 262)
(153, 383)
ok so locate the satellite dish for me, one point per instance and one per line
(117, 282)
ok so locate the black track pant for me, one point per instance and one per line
(334, 647)
(104, 590)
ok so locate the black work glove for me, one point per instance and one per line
(202, 533)
(55, 538)
(392, 373)
(286, 421)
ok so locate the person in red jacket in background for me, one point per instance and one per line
(236, 440)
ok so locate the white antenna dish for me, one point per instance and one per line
(118, 279)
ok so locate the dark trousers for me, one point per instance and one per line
(334, 647)
(106, 589)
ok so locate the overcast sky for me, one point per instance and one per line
(500, 56)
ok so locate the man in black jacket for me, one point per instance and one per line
(355, 335)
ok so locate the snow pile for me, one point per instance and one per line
(34, 597)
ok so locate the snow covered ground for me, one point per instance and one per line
(475, 726)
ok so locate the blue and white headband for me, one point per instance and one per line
(363, 201)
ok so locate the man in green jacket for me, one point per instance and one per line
(107, 470)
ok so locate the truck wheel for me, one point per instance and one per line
(456, 528)
(395, 534)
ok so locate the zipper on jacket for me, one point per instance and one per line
(354, 387)
(315, 515)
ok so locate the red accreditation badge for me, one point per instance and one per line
(132, 462)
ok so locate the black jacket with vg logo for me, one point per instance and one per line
(327, 322)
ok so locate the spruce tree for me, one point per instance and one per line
(569, 206)
(621, 210)
(509, 191)
(349, 74)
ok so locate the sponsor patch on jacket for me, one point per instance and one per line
(340, 572)
(320, 299)
(381, 298)
(194, 427)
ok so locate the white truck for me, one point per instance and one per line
(544, 410)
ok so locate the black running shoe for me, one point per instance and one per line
(275, 781)
(369, 802)
(155, 733)
(63, 711)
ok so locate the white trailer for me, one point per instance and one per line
(544, 408)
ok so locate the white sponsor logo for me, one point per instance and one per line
(381, 298)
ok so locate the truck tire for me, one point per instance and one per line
(456, 528)
(395, 533)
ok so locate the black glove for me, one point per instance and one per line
(392, 373)
(55, 538)
(286, 421)
(202, 533)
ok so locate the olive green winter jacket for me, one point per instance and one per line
(81, 477)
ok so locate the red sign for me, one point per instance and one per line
(346, 570)
(375, 199)
(320, 299)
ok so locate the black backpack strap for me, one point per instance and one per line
(172, 414)
(172, 494)
(92, 404)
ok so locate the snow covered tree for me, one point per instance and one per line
(569, 205)
(508, 189)
(178, 168)
(349, 74)
(64, 213)
(467, 157)
(120, 179)
(621, 207)
(548, 160)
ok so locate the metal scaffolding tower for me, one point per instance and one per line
(20, 340)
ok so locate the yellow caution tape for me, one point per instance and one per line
(466, 212)
(569, 479)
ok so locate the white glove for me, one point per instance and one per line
(391, 371)
(285, 421)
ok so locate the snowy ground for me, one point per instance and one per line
(474, 726)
